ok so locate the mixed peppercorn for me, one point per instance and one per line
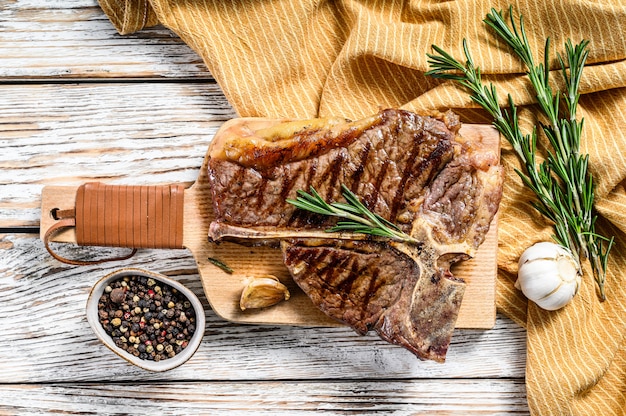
(148, 319)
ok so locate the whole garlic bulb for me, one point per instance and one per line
(548, 274)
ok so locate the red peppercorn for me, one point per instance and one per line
(151, 293)
(127, 315)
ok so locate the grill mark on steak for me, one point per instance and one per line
(355, 178)
(408, 169)
(287, 184)
(412, 171)
(332, 173)
(370, 200)
(349, 277)
(261, 193)
(332, 262)
(373, 286)
(310, 171)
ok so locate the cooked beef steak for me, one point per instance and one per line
(414, 171)
(372, 285)
(385, 159)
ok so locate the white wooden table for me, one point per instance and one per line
(79, 102)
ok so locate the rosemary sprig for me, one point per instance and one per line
(562, 183)
(358, 218)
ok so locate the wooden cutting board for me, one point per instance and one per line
(223, 289)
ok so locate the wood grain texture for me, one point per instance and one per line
(402, 397)
(58, 40)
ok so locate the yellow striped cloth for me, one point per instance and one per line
(304, 58)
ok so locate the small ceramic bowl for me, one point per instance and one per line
(162, 365)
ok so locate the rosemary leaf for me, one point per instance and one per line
(220, 264)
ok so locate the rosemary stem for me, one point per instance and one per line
(342, 214)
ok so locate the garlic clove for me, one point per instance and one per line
(560, 297)
(263, 291)
(548, 275)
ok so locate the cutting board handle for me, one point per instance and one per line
(145, 216)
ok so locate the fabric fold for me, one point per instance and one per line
(129, 16)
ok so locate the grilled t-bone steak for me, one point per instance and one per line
(413, 170)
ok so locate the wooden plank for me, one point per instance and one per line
(142, 133)
(73, 40)
(66, 134)
(434, 397)
(46, 336)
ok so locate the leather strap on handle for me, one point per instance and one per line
(122, 216)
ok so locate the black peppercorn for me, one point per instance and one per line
(147, 317)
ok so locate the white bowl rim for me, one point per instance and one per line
(162, 365)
